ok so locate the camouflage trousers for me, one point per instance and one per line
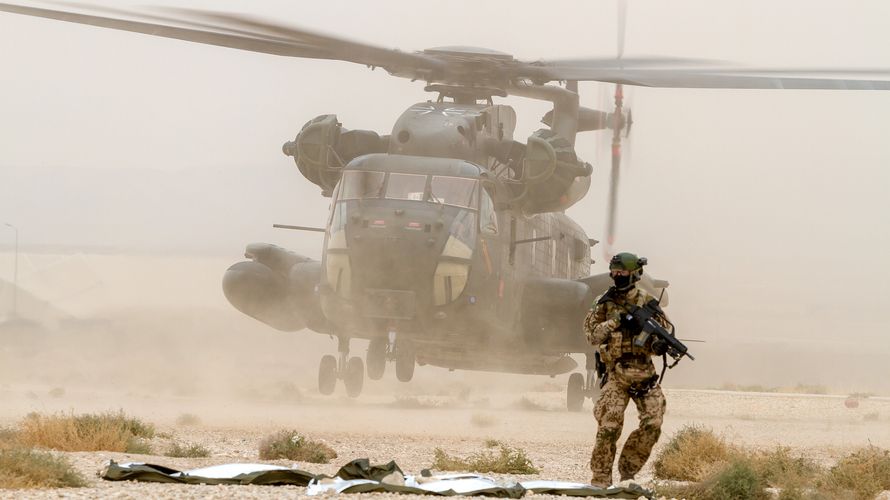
(609, 413)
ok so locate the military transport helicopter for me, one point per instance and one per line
(447, 242)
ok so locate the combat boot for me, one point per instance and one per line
(600, 482)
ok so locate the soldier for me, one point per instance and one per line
(630, 374)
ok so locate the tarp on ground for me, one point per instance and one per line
(263, 474)
(359, 476)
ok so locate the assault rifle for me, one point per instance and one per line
(643, 321)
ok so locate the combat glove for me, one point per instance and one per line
(659, 347)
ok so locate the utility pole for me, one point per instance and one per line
(15, 273)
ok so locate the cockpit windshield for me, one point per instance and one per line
(458, 191)
(361, 184)
(406, 187)
(444, 190)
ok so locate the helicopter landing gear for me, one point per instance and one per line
(350, 370)
(354, 377)
(376, 358)
(406, 358)
(582, 386)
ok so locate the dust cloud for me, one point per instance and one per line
(159, 327)
(765, 210)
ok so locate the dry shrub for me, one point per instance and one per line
(192, 450)
(861, 395)
(780, 469)
(87, 432)
(492, 443)
(692, 454)
(9, 438)
(24, 468)
(526, 404)
(744, 475)
(292, 445)
(506, 460)
(738, 480)
(801, 388)
(188, 420)
(861, 474)
(483, 420)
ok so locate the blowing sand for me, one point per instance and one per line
(556, 441)
(157, 351)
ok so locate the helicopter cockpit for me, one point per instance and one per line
(397, 220)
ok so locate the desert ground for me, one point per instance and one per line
(385, 428)
(168, 348)
(237, 404)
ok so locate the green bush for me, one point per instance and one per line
(26, 468)
(861, 474)
(506, 460)
(192, 450)
(691, 454)
(292, 445)
(780, 469)
(737, 480)
(88, 432)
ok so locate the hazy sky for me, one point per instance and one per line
(761, 207)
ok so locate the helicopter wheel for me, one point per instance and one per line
(327, 375)
(354, 377)
(376, 358)
(406, 358)
(575, 392)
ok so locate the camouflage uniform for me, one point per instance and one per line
(629, 371)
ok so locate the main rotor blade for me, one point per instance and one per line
(256, 35)
(240, 32)
(722, 78)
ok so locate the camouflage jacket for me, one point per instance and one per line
(624, 361)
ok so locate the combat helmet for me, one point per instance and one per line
(626, 261)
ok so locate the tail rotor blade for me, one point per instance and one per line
(615, 173)
(612, 209)
(622, 25)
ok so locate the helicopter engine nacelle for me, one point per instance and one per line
(323, 147)
(553, 312)
(552, 177)
(276, 287)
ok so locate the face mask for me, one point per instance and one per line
(622, 282)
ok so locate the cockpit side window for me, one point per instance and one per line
(361, 184)
(488, 218)
(406, 187)
(458, 191)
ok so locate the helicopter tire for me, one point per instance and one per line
(327, 375)
(354, 377)
(575, 392)
(406, 358)
(376, 358)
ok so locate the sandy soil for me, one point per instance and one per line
(160, 350)
(558, 442)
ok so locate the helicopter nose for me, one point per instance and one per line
(393, 262)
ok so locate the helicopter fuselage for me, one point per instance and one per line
(415, 247)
